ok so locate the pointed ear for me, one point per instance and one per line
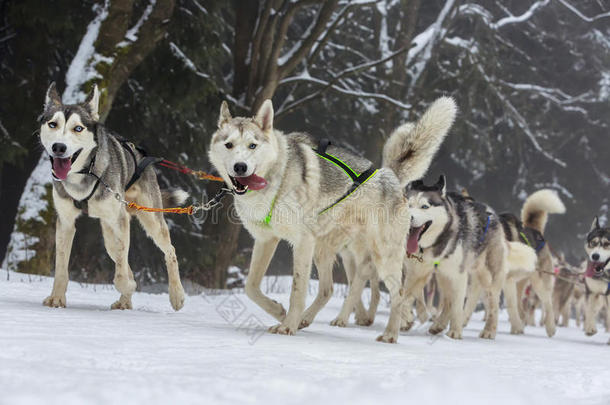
(93, 103)
(442, 184)
(595, 224)
(225, 114)
(52, 98)
(264, 116)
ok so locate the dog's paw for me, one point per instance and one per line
(435, 329)
(388, 338)
(55, 301)
(454, 334)
(551, 330)
(342, 323)
(304, 323)
(364, 321)
(516, 330)
(278, 311)
(406, 326)
(281, 329)
(590, 331)
(122, 303)
(487, 334)
(176, 296)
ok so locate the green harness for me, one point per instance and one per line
(357, 179)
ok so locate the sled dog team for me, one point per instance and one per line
(384, 223)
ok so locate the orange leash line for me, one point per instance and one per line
(178, 210)
(206, 176)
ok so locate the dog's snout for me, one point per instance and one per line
(59, 148)
(240, 168)
(595, 257)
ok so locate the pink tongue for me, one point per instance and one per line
(61, 167)
(413, 241)
(253, 182)
(591, 269)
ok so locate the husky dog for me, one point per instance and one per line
(597, 275)
(86, 157)
(563, 291)
(456, 236)
(530, 231)
(289, 186)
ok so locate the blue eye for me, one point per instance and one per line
(425, 207)
(52, 124)
(252, 146)
(78, 128)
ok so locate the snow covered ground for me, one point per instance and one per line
(215, 351)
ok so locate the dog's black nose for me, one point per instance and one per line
(240, 168)
(595, 257)
(59, 148)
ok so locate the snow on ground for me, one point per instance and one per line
(216, 351)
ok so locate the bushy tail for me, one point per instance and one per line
(521, 257)
(411, 147)
(537, 207)
(173, 197)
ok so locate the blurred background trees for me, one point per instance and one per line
(531, 78)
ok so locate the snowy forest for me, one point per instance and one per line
(531, 79)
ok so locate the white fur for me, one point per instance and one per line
(537, 207)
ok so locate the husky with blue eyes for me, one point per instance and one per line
(456, 237)
(86, 160)
(597, 275)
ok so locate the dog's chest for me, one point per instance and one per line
(596, 286)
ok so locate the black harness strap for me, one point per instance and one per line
(357, 179)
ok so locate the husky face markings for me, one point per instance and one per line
(66, 132)
(241, 148)
(428, 215)
(598, 249)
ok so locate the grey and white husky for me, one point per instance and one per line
(530, 231)
(454, 237)
(291, 187)
(86, 159)
(597, 275)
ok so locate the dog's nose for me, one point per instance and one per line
(59, 148)
(595, 257)
(240, 168)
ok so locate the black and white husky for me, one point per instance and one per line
(87, 160)
(597, 275)
(454, 237)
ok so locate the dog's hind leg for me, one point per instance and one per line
(156, 228)
(116, 240)
(543, 287)
(353, 295)
(64, 236)
(324, 260)
(302, 257)
(389, 267)
(262, 254)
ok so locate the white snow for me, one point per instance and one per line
(520, 18)
(132, 33)
(216, 351)
(82, 66)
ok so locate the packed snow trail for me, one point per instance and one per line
(215, 351)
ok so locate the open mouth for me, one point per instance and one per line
(61, 166)
(252, 182)
(595, 269)
(415, 235)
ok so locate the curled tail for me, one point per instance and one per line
(173, 197)
(537, 208)
(411, 147)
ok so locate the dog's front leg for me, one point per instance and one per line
(116, 238)
(64, 236)
(593, 304)
(303, 256)
(261, 256)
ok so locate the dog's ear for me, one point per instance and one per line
(52, 98)
(595, 224)
(225, 114)
(442, 184)
(264, 116)
(92, 103)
